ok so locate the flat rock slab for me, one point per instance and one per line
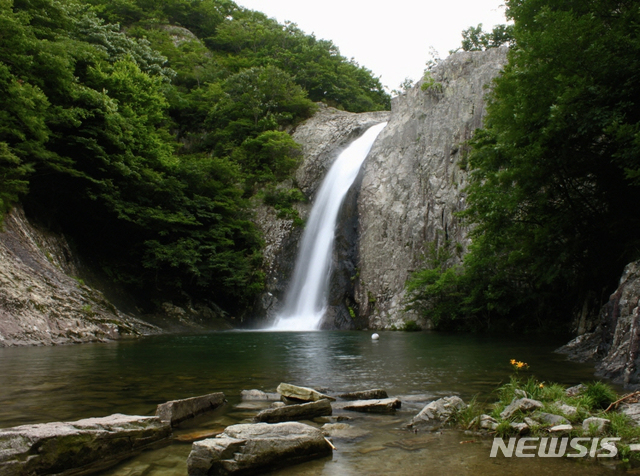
(550, 419)
(177, 411)
(303, 411)
(60, 447)
(383, 405)
(376, 393)
(304, 394)
(256, 448)
(438, 411)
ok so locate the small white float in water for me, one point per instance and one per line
(375, 336)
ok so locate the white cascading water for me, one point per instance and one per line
(306, 299)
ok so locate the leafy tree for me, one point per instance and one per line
(553, 174)
(475, 39)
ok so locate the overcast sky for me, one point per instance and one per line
(393, 41)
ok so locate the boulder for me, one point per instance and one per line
(303, 411)
(177, 411)
(550, 419)
(567, 409)
(599, 425)
(373, 394)
(575, 390)
(522, 404)
(438, 411)
(486, 422)
(83, 445)
(384, 405)
(259, 395)
(256, 448)
(304, 394)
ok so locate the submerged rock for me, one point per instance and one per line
(365, 394)
(257, 448)
(177, 411)
(304, 394)
(259, 395)
(384, 405)
(303, 411)
(343, 431)
(438, 411)
(92, 443)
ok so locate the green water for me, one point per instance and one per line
(43, 384)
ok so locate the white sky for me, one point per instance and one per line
(391, 39)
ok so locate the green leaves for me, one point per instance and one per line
(549, 189)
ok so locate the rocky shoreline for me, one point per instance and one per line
(299, 425)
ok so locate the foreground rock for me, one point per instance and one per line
(93, 443)
(177, 411)
(384, 405)
(304, 394)
(303, 411)
(520, 404)
(438, 412)
(256, 448)
(373, 394)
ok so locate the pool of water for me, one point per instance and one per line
(41, 384)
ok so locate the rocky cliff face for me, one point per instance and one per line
(322, 137)
(412, 181)
(614, 344)
(40, 300)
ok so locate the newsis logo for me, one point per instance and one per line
(577, 447)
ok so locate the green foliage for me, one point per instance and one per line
(475, 39)
(437, 290)
(411, 326)
(555, 168)
(430, 84)
(283, 200)
(142, 130)
(598, 395)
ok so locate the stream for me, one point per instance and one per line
(63, 383)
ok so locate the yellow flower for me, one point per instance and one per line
(541, 385)
(513, 361)
(520, 364)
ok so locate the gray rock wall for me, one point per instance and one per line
(41, 299)
(412, 181)
(614, 344)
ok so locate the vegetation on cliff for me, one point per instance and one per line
(553, 173)
(142, 130)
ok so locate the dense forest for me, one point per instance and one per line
(144, 130)
(554, 174)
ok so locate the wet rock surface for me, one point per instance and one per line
(438, 411)
(176, 411)
(303, 394)
(303, 411)
(92, 443)
(256, 448)
(364, 394)
(384, 405)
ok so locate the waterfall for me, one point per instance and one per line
(306, 299)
